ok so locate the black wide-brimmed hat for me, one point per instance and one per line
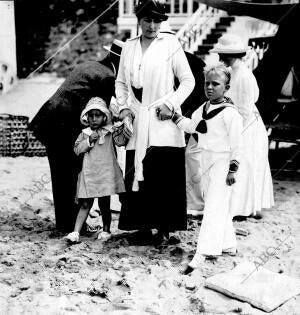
(151, 8)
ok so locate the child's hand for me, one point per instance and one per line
(230, 179)
(93, 137)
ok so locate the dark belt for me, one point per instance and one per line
(137, 93)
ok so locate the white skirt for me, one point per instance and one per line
(254, 188)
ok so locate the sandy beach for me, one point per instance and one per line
(41, 274)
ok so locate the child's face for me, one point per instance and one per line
(215, 86)
(96, 119)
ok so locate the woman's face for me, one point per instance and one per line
(96, 119)
(215, 86)
(150, 26)
(227, 59)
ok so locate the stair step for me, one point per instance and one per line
(218, 30)
(225, 21)
(227, 18)
(212, 38)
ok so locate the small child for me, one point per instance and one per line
(219, 129)
(101, 175)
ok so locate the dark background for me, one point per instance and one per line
(42, 26)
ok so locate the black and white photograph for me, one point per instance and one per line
(149, 157)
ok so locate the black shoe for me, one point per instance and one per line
(161, 240)
(239, 218)
(141, 237)
(187, 270)
(257, 216)
(174, 240)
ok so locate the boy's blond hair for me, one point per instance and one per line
(218, 67)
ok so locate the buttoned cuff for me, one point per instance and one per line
(176, 118)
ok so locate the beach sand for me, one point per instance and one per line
(41, 274)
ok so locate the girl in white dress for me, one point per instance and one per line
(101, 175)
(218, 125)
(255, 189)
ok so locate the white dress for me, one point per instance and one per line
(221, 144)
(101, 174)
(255, 188)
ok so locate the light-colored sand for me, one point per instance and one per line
(40, 274)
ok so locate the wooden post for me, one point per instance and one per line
(8, 34)
(121, 8)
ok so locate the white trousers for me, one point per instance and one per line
(216, 232)
(194, 193)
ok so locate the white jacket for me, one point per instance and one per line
(166, 59)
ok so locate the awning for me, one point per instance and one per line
(271, 12)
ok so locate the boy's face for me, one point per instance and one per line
(96, 119)
(215, 86)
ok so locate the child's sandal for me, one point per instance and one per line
(230, 251)
(73, 237)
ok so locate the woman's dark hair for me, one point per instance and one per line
(240, 55)
(151, 8)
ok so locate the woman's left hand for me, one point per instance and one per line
(163, 112)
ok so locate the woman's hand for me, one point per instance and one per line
(230, 179)
(163, 112)
(127, 116)
(93, 137)
(126, 112)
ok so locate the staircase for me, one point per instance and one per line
(203, 29)
(198, 26)
(212, 38)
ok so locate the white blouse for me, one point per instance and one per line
(243, 91)
(138, 66)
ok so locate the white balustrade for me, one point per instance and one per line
(198, 26)
(258, 50)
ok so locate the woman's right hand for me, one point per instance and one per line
(93, 137)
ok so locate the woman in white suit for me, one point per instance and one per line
(255, 190)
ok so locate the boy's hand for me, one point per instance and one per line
(230, 179)
(93, 137)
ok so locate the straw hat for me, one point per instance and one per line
(230, 44)
(116, 47)
(95, 103)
